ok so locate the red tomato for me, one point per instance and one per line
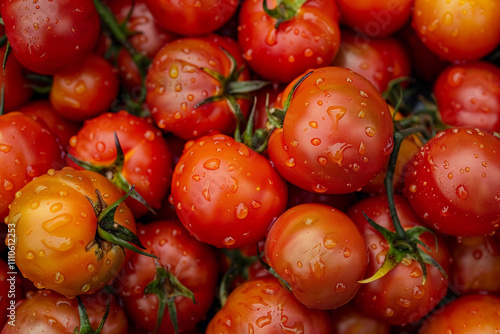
(49, 312)
(375, 18)
(453, 183)
(399, 297)
(193, 263)
(318, 250)
(458, 30)
(48, 36)
(192, 17)
(84, 92)
(310, 39)
(349, 319)
(14, 83)
(175, 85)
(224, 193)
(379, 59)
(264, 306)
(336, 135)
(298, 196)
(465, 315)
(147, 159)
(28, 150)
(469, 95)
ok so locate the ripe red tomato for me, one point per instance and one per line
(48, 36)
(465, 315)
(458, 30)
(193, 263)
(176, 83)
(147, 159)
(81, 93)
(400, 297)
(54, 226)
(453, 183)
(349, 319)
(49, 312)
(15, 87)
(469, 95)
(336, 135)
(224, 193)
(318, 250)
(27, 149)
(192, 17)
(310, 39)
(375, 18)
(264, 306)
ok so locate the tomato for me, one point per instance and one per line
(476, 264)
(379, 59)
(349, 319)
(400, 297)
(28, 149)
(147, 159)
(175, 84)
(466, 314)
(375, 18)
(84, 92)
(469, 95)
(192, 17)
(309, 39)
(42, 110)
(442, 182)
(49, 312)
(193, 263)
(264, 306)
(48, 36)
(458, 30)
(57, 242)
(224, 193)
(318, 250)
(298, 196)
(14, 83)
(336, 135)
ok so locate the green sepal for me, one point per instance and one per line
(85, 327)
(273, 272)
(238, 267)
(284, 10)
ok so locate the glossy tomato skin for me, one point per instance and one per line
(308, 40)
(46, 311)
(469, 95)
(467, 314)
(193, 263)
(349, 319)
(264, 306)
(318, 250)
(224, 193)
(399, 297)
(28, 150)
(458, 30)
(336, 135)
(148, 161)
(379, 59)
(192, 17)
(84, 92)
(14, 83)
(453, 183)
(375, 18)
(175, 84)
(48, 36)
(55, 226)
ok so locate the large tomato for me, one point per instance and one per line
(309, 39)
(318, 250)
(336, 135)
(56, 232)
(224, 193)
(47, 36)
(453, 183)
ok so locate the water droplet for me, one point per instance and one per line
(30, 255)
(315, 141)
(347, 252)
(404, 302)
(389, 312)
(456, 77)
(418, 292)
(290, 162)
(329, 242)
(447, 19)
(322, 160)
(416, 273)
(5, 148)
(308, 52)
(212, 164)
(266, 319)
(8, 184)
(413, 188)
(336, 151)
(149, 135)
(317, 267)
(336, 114)
(61, 244)
(313, 124)
(340, 287)
(370, 132)
(256, 204)
(299, 264)
(241, 211)
(58, 278)
(477, 254)
(174, 71)
(80, 87)
(90, 268)
(271, 37)
(85, 288)
(462, 192)
(319, 188)
(229, 241)
(59, 221)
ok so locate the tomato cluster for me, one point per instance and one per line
(254, 166)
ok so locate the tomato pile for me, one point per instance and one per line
(254, 166)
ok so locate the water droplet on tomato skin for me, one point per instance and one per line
(229, 241)
(340, 287)
(462, 192)
(58, 278)
(30, 255)
(264, 320)
(241, 211)
(317, 267)
(212, 164)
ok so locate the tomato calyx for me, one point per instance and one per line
(273, 272)
(85, 327)
(167, 287)
(284, 10)
(232, 89)
(108, 231)
(113, 172)
(239, 265)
